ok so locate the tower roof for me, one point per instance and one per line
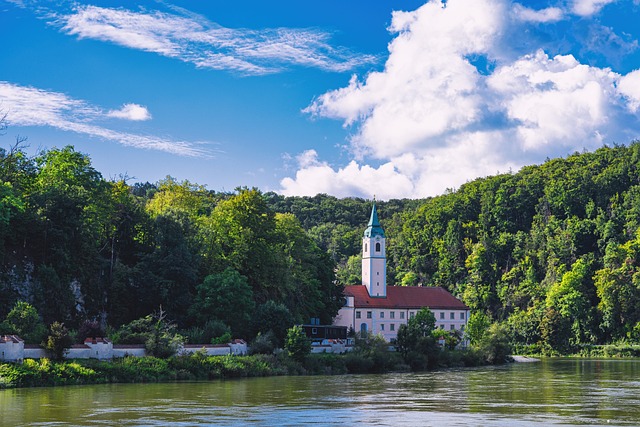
(374, 228)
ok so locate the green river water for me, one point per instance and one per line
(551, 392)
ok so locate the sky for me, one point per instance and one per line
(394, 98)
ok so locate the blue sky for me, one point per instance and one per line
(352, 98)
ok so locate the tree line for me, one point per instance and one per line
(550, 252)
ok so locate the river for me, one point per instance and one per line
(551, 392)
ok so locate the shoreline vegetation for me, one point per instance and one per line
(199, 367)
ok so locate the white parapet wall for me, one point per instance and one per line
(13, 349)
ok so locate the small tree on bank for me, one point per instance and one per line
(163, 341)
(297, 344)
(58, 341)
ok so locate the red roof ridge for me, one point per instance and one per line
(406, 297)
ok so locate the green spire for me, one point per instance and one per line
(374, 228)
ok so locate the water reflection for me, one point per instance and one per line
(553, 392)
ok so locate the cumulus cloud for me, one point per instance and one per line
(133, 112)
(629, 86)
(28, 106)
(194, 39)
(434, 119)
(589, 7)
(318, 177)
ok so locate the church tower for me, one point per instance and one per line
(374, 258)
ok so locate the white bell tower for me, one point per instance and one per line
(374, 258)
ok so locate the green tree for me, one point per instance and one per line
(274, 319)
(23, 320)
(477, 327)
(228, 297)
(495, 345)
(297, 344)
(58, 341)
(163, 341)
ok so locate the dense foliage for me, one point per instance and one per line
(552, 252)
(75, 247)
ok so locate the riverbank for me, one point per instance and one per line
(199, 367)
(607, 351)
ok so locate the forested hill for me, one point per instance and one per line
(551, 251)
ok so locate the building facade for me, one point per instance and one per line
(377, 308)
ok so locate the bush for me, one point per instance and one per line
(263, 344)
(495, 345)
(212, 329)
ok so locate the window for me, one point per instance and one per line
(442, 314)
(382, 314)
(377, 273)
(314, 331)
(452, 315)
(462, 316)
(382, 327)
(358, 315)
(441, 326)
(461, 328)
(412, 315)
(369, 315)
(392, 315)
(402, 314)
(377, 247)
(452, 327)
(392, 327)
(365, 247)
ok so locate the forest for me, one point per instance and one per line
(551, 253)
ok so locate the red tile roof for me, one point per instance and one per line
(406, 297)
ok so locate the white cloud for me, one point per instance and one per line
(194, 39)
(555, 101)
(550, 14)
(317, 177)
(133, 112)
(434, 120)
(589, 7)
(629, 86)
(28, 106)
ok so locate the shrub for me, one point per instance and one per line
(263, 344)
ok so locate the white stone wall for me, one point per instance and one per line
(11, 351)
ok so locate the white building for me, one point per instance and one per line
(374, 307)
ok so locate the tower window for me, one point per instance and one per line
(365, 247)
(377, 247)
